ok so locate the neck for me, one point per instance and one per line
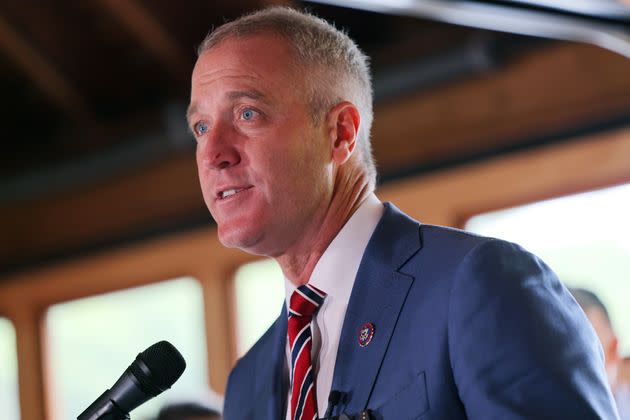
(348, 193)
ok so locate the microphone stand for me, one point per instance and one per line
(364, 415)
(334, 399)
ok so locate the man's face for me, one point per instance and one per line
(264, 168)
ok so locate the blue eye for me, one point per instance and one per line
(201, 128)
(248, 114)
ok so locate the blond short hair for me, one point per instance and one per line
(337, 69)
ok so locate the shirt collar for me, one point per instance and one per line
(337, 268)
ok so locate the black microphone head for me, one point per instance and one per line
(165, 365)
(153, 371)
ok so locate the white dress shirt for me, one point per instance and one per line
(334, 274)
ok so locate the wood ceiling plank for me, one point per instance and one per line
(58, 89)
(141, 23)
(552, 89)
(139, 202)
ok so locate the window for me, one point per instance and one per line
(259, 298)
(9, 399)
(93, 340)
(583, 238)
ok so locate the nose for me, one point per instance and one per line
(218, 150)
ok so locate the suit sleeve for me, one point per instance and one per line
(231, 403)
(520, 346)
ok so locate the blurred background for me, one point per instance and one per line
(510, 119)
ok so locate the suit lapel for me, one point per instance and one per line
(377, 297)
(271, 382)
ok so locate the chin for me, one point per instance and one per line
(240, 237)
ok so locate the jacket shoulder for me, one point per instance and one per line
(252, 372)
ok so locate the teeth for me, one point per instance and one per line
(228, 193)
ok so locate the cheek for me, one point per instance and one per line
(304, 182)
(204, 182)
(203, 177)
(200, 170)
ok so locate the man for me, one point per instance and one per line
(400, 320)
(597, 314)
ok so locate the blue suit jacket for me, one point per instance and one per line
(465, 327)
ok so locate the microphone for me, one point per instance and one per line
(337, 397)
(334, 399)
(153, 371)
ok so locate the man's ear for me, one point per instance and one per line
(342, 123)
(612, 352)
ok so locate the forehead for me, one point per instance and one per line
(263, 62)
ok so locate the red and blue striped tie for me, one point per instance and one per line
(305, 301)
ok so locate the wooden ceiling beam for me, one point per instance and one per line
(170, 191)
(547, 91)
(151, 34)
(59, 90)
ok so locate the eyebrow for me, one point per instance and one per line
(233, 95)
(192, 109)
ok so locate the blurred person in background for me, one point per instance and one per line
(624, 372)
(597, 314)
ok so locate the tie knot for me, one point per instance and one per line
(305, 301)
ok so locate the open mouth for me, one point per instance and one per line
(223, 195)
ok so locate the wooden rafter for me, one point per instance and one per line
(145, 27)
(546, 91)
(48, 79)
